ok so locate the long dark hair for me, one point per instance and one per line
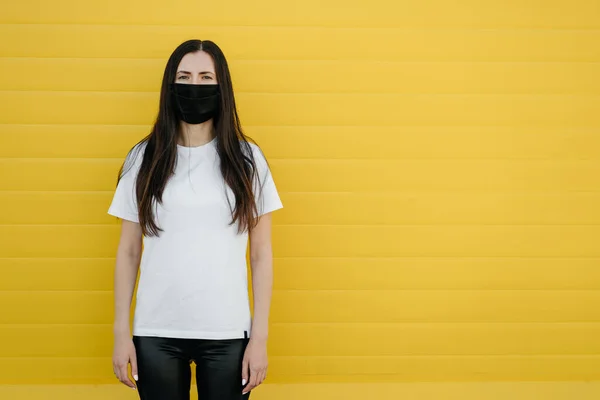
(237, 163)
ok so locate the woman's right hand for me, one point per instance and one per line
(124, 354)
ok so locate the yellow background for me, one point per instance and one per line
(438, 162)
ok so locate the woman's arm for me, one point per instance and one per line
(127, 263)
(261, 262)
(126, 269)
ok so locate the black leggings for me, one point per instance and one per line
(164, 368)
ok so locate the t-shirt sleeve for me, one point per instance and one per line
(265, 192)
(124, 203)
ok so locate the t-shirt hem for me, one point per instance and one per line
(270, 209)
(123, 215)
(210, 335)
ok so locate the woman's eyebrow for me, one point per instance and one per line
(200, 73)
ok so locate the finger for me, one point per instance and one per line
(134, 368)
(259, 375)
(253, 379)
(257, 379)
(116, 371)
(125, 378)
(262, 377)
(247, 389)
(245, 372)
(250, 385)
(254, 375)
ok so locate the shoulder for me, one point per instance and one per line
(252, 149)
(136, 153)
(134, 157)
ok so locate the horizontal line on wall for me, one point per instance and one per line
(542, 95)
(391, 324)
(313, 27)
(554, 127)
(313, 159)
(357, 194)
(337, 159)
(307, 291)
(297, 27)
(333, 126)
(340, 225)
(294, 159)
(376, 290)
(568, 128)
(350, 324)
(329, 225)
(340, 59)
(349, 258)
(503, 356)
(446, 94)
(425, 356)
(317, 61)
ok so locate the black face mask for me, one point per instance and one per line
(195, 104)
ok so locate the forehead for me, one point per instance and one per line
(199, 61)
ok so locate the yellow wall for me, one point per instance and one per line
(439, 163)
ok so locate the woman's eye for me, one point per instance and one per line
(206, 77)
(182, 77)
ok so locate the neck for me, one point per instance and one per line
(195, 135)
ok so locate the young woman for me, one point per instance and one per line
(193, 192)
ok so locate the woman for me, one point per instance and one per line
(193, 192)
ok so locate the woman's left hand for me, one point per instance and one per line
(254, 365)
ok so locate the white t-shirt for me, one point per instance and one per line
(193, 276)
